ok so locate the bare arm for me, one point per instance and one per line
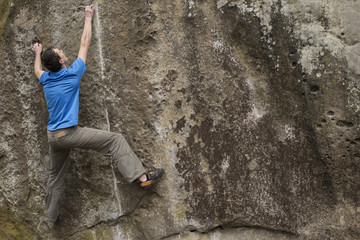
(37, 48)
(86, 35)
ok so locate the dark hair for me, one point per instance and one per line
(50, 60)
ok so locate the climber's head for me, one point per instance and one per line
(53, 59)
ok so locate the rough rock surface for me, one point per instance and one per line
(251, 106)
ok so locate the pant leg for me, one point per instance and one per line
(106, 142)
(59, 162)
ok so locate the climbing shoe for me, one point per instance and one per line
(151, 177)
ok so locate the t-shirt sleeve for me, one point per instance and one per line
(78, 67)
(43, 78)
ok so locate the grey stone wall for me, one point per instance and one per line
(251, 107)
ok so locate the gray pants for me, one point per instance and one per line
(60, 143)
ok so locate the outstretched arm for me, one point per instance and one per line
(37, 48)
(86, 35)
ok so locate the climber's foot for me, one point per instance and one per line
(151, 178)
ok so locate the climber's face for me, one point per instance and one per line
(63, 58)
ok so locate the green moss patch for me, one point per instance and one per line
(4, 13)
(11, 228)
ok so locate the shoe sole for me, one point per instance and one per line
(146, 184)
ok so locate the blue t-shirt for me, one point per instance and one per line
(62, 95)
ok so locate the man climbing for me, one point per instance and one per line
(61, 89)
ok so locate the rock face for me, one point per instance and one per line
(250, 106)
